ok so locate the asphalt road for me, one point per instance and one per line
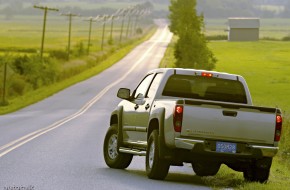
(57, 143)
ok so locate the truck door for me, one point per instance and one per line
(143, 112)
(131, 110)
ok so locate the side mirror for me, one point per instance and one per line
(124, 93)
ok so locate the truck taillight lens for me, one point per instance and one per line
(278, 128)
(207, 75)
(177, 118)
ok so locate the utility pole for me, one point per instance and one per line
(69, 15)
(136, 20)
(112, 26)
(91, 20)
(113, 17)
(135, 13)
(105, 17)
(128, 26)
(44, 25)
(123, 13)
(3, 103)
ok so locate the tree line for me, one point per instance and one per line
(242, 8)
(210, 8)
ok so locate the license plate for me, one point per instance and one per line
(226, 147)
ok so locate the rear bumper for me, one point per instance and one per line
(267, 151)
(208, 147)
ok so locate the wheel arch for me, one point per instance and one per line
(114, 119)
(154, 124)
(117, 118)
(157, 122)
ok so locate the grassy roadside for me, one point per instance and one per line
(265, 66)
(44, 92)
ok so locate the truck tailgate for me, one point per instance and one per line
(229, 122)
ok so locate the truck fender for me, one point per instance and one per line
(158, 116)
(117, 118)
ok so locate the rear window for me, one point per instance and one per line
(205, 88)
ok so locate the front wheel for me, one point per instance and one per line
(156, 168)
(113, 158)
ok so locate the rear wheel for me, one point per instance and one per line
(258, 171)
(257, 175)
(205, 168)
(156, 168)
(113, 158)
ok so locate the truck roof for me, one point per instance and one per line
(182, 71)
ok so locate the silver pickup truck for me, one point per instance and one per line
(205, 118)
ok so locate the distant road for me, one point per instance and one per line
(57, 143)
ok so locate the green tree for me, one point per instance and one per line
(191, 49)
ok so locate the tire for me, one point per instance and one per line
(156, 168)
(205, 168)
(257, 175)
(258, 171)
(113, 158)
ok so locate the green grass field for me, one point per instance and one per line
(25, 32)
(266, 66)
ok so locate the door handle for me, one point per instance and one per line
(136, 106)
(147, 106)
(230, 113)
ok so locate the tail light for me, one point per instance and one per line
(278, 128)
(207, 75)
(177, 118)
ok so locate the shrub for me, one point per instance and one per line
(80, 49)
(17, 86)
(217, 37)
(33, 70)
(286, 38)
(110, 41)
(270, 39)
(139, 31)
(58, 54)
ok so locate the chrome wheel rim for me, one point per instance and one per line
(151, 154)
(112, 147)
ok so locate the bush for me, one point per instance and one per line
(30, 70)
(17, 86)
(270, 39)
(110, 41)
(80, 49)
(286, 38)
(58, 54)
(217, 37)
(139, 31)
